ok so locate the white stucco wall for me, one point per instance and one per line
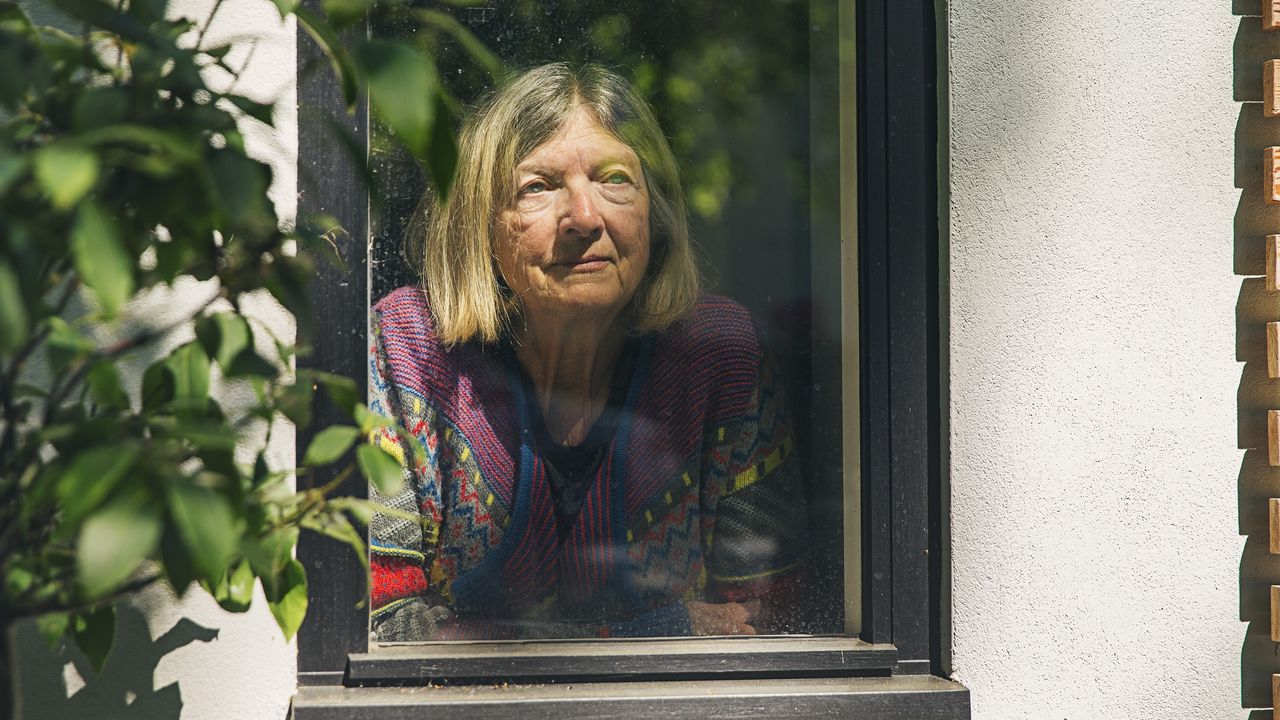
(232, 667)
(1098, 493)
(248, 672)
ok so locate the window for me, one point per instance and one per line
(748, 99)
(888, 636)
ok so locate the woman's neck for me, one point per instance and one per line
(571, 365)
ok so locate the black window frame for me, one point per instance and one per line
(906, 613)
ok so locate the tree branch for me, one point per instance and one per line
(119, 594)
(316, 497)
(11, 373)
(207, 24)
(111, 352)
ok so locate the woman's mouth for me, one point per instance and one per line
(589, 263)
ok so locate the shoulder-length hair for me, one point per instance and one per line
(468, 300)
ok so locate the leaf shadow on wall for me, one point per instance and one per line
(1257, 393)
(125, 689)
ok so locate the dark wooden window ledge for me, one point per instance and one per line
(901, 697)
(712, 678)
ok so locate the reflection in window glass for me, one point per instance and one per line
(609, 454)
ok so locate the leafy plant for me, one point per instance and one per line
(123, 175)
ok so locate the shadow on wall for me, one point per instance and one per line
(124, 690)
(1254, 220)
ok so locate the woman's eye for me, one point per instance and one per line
(617, 178)
(537, 186)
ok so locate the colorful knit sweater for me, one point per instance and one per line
(698, 497)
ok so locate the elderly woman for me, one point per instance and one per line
(606, 454)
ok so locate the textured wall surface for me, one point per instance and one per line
(212, 664)
(1097, 243)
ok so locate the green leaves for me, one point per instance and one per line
(370, 421)
(180, 380)
(66, 172)
(147, 10)
(101, 258)
(335, 524)
(343, 13)
(16, 50)
(294, 401)
(104, 386)
(329, 444)
(14, 320)
(286, 7)
(288, 283)
(404, 88)
(223, 336)
(341, 389)
(53, 627)
(380, 468)
(288, 599)
(268, 556)
(234, 589)
(206, 525)
(442, 157)
(483, 56)
(91, 478)
(11, 169)
(123, 171)
(241, 184)
(103, 15)
(17, 580)
(189, 367)
(256, 110)
(95, 632)
(65, 345)
(114, 541)
(179, 569)
(320, 31)
(227, 339)
(100, 106)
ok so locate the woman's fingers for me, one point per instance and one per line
(722, 618)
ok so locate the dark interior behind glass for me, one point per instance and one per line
(745, 92)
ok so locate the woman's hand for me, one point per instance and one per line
(723, 618)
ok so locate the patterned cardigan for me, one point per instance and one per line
(697, 497)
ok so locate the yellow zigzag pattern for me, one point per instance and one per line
(752, 475)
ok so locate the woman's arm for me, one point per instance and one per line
(759, 540)
(400, 550)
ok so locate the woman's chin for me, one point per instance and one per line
(580, 300)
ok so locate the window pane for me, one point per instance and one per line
(704, 460)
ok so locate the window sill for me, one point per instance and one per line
(919, 697)
(456, 663)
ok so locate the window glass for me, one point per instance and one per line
(619, 480)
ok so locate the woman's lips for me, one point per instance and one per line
(591, 263)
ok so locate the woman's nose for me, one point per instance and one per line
(580, 216)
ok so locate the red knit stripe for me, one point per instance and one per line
(395, 578)
(531, 568)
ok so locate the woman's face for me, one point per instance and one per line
(576, 237)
